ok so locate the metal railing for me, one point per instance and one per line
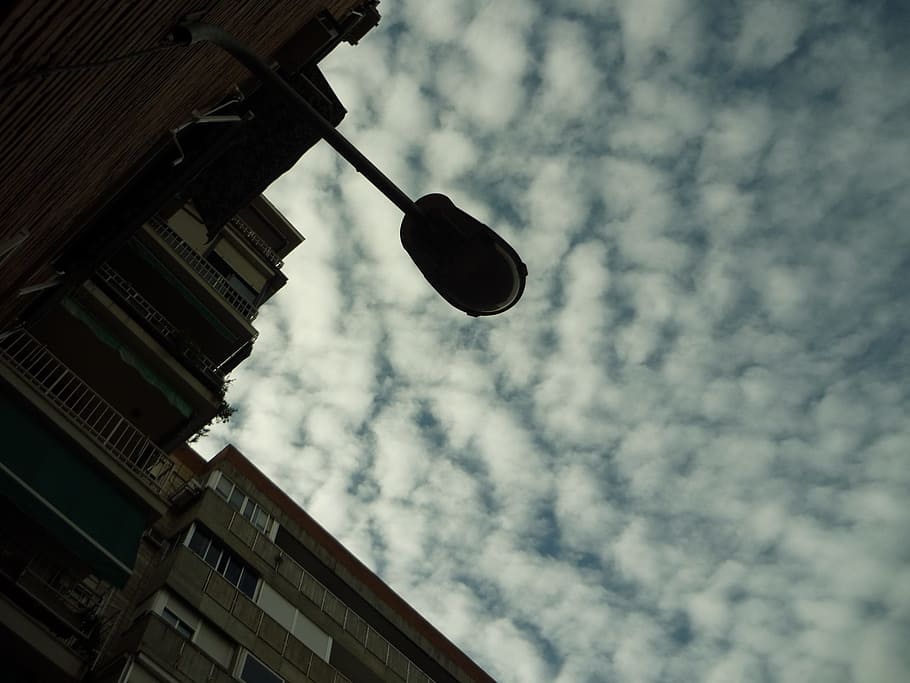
(33, 362)
(87, 596)
(78, 605)
(159, 640)
(355, 625)
(263, 247)
(168, 331)
(203, 268)
(213, 577)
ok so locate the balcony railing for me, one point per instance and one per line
(158, 639)
(124, 442)
(203, 269)
(340, 613)
(260, 244)
(128, 295)
(77, 608)
(277, 636)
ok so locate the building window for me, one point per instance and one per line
(224, 561)
(182, 627)
(254, 671)
(281, 610)
(246, 506)
(243, 288)
(189, 624)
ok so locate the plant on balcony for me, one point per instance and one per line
(223, 414)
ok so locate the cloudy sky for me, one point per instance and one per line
(685, 455)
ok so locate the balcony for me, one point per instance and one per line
(242, 620)
(56, 609)
(158, 640)
(302, 581)
(203, 269)
(261, 246)
(75, 605)
(50, 378)
(128, 296)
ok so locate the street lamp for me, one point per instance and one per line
(465, 261)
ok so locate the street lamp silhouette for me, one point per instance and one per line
(465, 261)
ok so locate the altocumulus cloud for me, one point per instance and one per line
(684, 455)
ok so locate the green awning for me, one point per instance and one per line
(105, 336)
(51, 480)
(169, 278)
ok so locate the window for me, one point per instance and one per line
(199, 541)
(276, 606)
(233, 570)
(223, 560)
(247, 585)
(312, 636)
(254, 671)
(189, 624)
(245, 505)
(224, 487)
(282, 611)
(261, 518)
(237, 499)
(243, 288)
(182, 627)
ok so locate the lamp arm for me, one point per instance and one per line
(190, 32)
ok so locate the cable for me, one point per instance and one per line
(47, 71)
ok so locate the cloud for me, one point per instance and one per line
(571, 81)
(682, 456)
(654, 28)
(769, 33)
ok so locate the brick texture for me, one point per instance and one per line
(69, 139)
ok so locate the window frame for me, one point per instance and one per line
(219, 556)
(175, 621)
(248, 508)
(241, 665)
(204, 633)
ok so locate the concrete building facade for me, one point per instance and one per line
(93, 395)
(238, 582)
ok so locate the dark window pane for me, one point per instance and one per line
(261, 519)
(224, 487)
(213, 555)
(182, 627)
(199, 542)
(237, 499)
(233, 571)
(243, 287)
(248, 581)
(223, 561)
(248, 509)
(255, 671)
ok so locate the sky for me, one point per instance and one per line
(685, 454)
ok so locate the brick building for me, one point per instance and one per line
(135, 251)
(73, 139)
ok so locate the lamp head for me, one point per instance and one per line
(471, 267)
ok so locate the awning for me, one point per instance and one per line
(51, 480)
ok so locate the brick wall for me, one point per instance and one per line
(69, 139)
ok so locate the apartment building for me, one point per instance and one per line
(135, 252)
(91, 102)
(239, 583)
(93, 394)
(129, 285)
